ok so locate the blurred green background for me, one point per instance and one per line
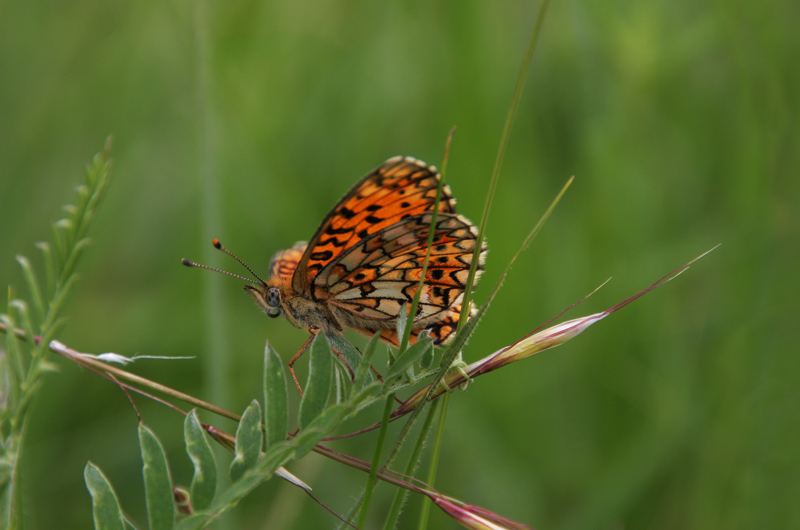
(247, 120)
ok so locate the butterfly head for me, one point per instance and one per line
(267, 297)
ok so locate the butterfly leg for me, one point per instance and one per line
(297, 355)
(303, 349)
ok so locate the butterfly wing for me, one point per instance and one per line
(400, 188)
(441, 331)
(284, 263)
(373, 279)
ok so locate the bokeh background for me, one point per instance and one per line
(246, 120)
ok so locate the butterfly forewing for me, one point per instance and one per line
(400, 188)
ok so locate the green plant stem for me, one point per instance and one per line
(413, 461)
(376, 460)
(465, 307)
(425, 509)
(501, 153)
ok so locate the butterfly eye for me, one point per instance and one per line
(273, 299)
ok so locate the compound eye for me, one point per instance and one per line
(273, 298)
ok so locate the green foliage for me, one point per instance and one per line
(318, 387)
(157, 482)
(249, 468)
(249, 440)
(411, 356)
(28, 335)
(105, 506)
(276, 411)
(204, 479)
(677, 118)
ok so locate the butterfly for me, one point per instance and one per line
(364, 262)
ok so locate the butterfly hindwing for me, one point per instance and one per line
(374, 278)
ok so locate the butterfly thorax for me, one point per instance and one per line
(278, 296)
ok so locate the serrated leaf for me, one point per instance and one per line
(318, 387)
(248, 441)
(276, 407)
(204, 480)
(363, 376)
(410, 356)
(157, 482)
(105, 506)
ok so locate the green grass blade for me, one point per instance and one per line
(157, 482)
(276, 407)
(319, 381)
(501, 153)
(401, 494)
(105, 506)
(248, 442)
(204, 480)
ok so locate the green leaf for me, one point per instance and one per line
(319, 381)
(49, 266)
(276, 408)
(157, 483)
(363, 372)
(77, 251)
(105, 506)
(318, 429)
(275, 457)
(402, 320)
(339, 391)
(204, 481)
(349, 352)
(25, 318)
(426, 361)
(33, 285)
(410, 356)
(248, 441)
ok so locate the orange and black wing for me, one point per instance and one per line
(441, 330)
(284, 263)
(400, 188)
(377, 276)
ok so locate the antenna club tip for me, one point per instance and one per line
(216, 243)
(186, 262)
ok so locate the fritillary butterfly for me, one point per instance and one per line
(365, 260)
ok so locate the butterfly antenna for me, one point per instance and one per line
(193, 264)
(218, 245)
